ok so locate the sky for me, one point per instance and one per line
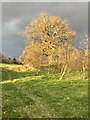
(15, 16)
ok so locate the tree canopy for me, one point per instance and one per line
(49, 42)
(48, 28)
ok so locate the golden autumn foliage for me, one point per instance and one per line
(48, 28)
(49, 42)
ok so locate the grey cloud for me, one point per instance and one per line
(16, 15)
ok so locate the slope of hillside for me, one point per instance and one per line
(42, 95)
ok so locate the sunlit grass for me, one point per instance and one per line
(7, 65)
(41, 99)
(22, 79)
(43, 95)
(17, 68)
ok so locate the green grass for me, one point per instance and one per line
(42, 95)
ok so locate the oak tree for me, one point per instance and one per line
(44, 36)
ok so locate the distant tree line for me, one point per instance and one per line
(8, 60)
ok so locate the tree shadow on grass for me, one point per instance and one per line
(10, 75)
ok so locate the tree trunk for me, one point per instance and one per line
(50, 59)
(63, 72)
(83, 72)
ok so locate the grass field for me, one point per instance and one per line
(43, 95)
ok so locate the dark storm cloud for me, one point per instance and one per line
(17, 15)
